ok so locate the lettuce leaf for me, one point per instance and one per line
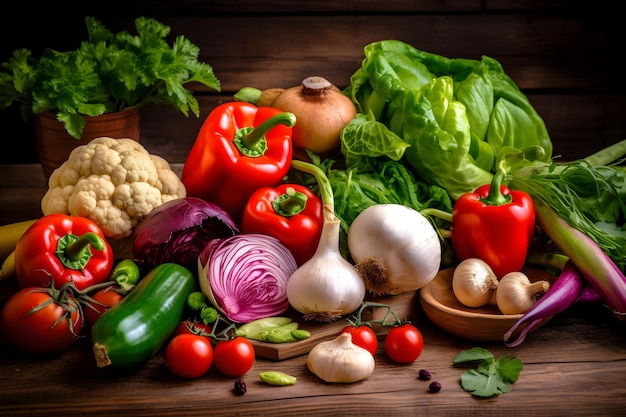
(459, 117)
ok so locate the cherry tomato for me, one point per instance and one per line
(404, 343)
(193, 327)
(108, 296)
(189, 355)
(233, 357)
(364, 337)
(35, 322)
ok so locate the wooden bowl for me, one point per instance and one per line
(480, 324)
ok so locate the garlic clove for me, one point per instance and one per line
(516, 294)
(474, 282)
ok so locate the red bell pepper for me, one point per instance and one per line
(495, 224)
(240, 148)
(291, 213)
(64, 249)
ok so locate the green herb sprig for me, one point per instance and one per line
(107, 73)
(490, 377)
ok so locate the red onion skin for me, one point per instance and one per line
(563, 292)
(589, 296)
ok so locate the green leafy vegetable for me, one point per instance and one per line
(490, 377)
(459, 117)
(589, 194)
(107, 73)
(383, 182)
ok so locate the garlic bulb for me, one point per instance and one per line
(326, 286)
(516, 294)
(340, 360)
(396, 248)
(474, 282)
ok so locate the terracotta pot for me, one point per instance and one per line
(54, 144)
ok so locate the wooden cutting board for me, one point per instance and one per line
(404, 306)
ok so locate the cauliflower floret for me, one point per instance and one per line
(113, 182)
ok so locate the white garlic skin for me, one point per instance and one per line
(326, 286)
(474, 282)
(340, 360)
(516, 294)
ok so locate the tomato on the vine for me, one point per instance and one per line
(404, 343)
(189, 355)
(363, 336)
(41, 320)
(193, 327)
(233, 357)
(108, 297)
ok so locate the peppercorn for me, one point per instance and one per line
(424, 375)
(434, 387)
(240, 387)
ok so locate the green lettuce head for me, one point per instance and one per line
(457, 117)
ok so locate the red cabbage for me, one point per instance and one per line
(178, 230)
(245, 276)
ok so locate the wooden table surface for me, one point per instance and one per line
(575, 365)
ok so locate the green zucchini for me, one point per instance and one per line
(131, 332)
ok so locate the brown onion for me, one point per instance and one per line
(321, 110)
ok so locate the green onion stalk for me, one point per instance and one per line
(598, 268)
(581, 205)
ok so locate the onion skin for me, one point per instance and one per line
(178, 230)
(563, 293)
(322, 111)
(396, 249)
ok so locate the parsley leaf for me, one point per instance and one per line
(107, 73)
(490, 377)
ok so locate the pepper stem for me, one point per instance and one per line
(290, 203)
(495, 197)
(251, 141)
(74, 251)
(126, 274)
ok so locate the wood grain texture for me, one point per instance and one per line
(562, 54)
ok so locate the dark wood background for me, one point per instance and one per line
(564, 55)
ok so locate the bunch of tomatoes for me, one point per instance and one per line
(403, 343)
(191, 352)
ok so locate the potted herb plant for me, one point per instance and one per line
(108, 78)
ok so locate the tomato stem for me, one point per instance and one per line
(385, 321)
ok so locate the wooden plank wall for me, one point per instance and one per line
(563, 54)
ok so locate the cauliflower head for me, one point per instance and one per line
(113, 182)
